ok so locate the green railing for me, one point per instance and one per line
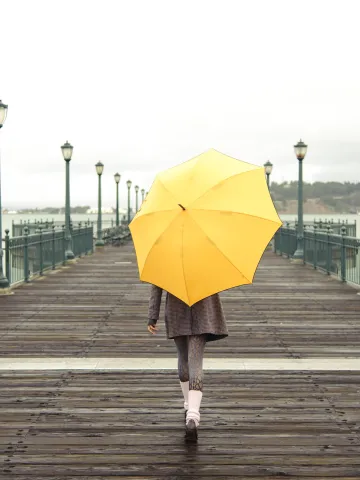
(33, 226)
(335, 254)
(336, 226)
(29, 255)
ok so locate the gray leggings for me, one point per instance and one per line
(190, 360)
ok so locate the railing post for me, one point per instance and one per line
(64, 244)
(85, 233)
(53, 248)
(7, 256)
(26, 254)
(328, 250)
(90, 239)
(287, 240)
(315, 246)
(304, 243)
(80, 240)
(343, 254)
(280, 238)
(41, 251)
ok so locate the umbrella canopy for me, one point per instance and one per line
(204, 226)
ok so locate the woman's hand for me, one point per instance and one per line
(152, 327)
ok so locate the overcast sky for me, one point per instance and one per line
(142, 85)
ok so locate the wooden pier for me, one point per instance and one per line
(259, 424)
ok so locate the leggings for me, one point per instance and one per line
(190, 360)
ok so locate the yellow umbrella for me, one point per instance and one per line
(204, 226)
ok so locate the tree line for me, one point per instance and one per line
(341, 197)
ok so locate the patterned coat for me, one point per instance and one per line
(204, 317)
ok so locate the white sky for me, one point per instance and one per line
(144, 85)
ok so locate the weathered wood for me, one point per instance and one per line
(66, 427)
(98, 307)
(254, 424)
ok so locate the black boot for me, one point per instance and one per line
(191, 432)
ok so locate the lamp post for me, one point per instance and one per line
(117, 177)
(128, 183)
(99, 241)
(142, 195)
(4, 282)
(137, 198)
(67, 150)
(268, 169)
(300, 152)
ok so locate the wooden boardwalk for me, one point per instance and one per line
(84, 425)
(257, 424)
(98, 308)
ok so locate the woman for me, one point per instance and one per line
(191, 328)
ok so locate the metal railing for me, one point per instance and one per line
(34, 226)
(29, 255)
(336, 226)
(332, 253)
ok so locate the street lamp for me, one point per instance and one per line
(300, 152)
(142, 195)
(4, 282)
(67, 150)
(128, 183)
(99, 241)
(137, 198)
(268, 169)
(117, 177)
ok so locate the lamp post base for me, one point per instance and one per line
(4, 286)
(99, 243)
(69, 255)
(298, 257)
(4, 282)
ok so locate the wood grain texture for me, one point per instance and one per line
(98, 308)
(119, 425)
(102, 425)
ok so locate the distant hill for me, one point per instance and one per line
(319, 197)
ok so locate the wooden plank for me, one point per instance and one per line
(76, 432)
(98, 305)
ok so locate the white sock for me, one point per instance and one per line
(185, 390)
(193, 413)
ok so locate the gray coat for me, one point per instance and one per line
(204, 317)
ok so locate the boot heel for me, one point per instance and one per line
(191, 434)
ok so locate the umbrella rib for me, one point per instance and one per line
(168, 226)
(222, 181)
(222, 253)
(193, 168)
(182, 261)
(167, 190)
(236, 213)
(153, 212)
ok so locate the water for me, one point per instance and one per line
(76, 218)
